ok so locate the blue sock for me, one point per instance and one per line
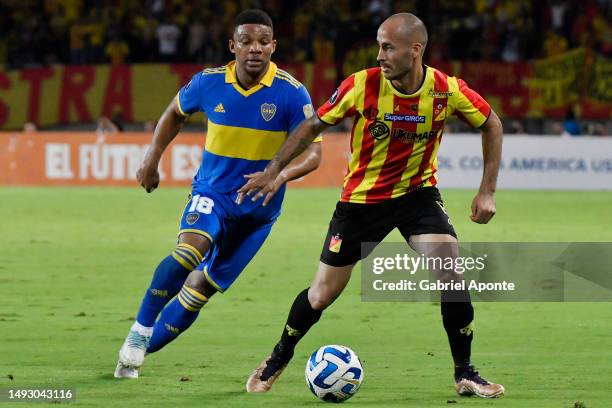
(167, 281)
(176, 318)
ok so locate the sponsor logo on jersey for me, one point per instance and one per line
(394, 117)
(379, 130)
(219, 108)
(410, 137)
(268, 110)
(438, 94)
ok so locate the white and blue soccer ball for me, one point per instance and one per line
(334, 373)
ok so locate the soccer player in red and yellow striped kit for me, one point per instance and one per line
(399, 110)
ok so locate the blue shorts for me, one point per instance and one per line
(236, 232)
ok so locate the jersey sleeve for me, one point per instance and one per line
(300, 109)
(469, 106)
(189, 98)
(341, 104)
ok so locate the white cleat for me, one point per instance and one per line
(122, 371)
(132, 355)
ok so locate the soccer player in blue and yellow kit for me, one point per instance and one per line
(251, 107)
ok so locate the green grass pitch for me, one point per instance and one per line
(74, 264)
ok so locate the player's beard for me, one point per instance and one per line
(396, 74)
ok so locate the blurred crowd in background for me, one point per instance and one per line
(43, 32)
(40, 33)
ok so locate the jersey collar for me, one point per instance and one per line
(427, 78)
(266, 80)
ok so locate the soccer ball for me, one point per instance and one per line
(334, 373)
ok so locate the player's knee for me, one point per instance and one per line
(198, 282)
(199, 242)
(321, 297)
(187, 255)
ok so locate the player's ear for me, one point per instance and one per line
(423, 46)
(416, 49)
(232, 46)
(273, 46)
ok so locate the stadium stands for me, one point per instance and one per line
(34, 33)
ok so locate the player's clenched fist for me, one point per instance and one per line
(148, 177)
(483, 208)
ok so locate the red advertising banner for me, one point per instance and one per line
(89, 159)
(140, 92)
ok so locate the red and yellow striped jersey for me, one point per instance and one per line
(395, 137)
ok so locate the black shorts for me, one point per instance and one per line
(418, 212)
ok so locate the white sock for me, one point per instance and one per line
(143, 330)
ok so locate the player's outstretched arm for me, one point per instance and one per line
(263, 183)
(166, 130)
(306, 162)
(483, 205)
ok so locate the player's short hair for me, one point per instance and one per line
(253, 16)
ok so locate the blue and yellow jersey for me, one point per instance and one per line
(246, 128)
